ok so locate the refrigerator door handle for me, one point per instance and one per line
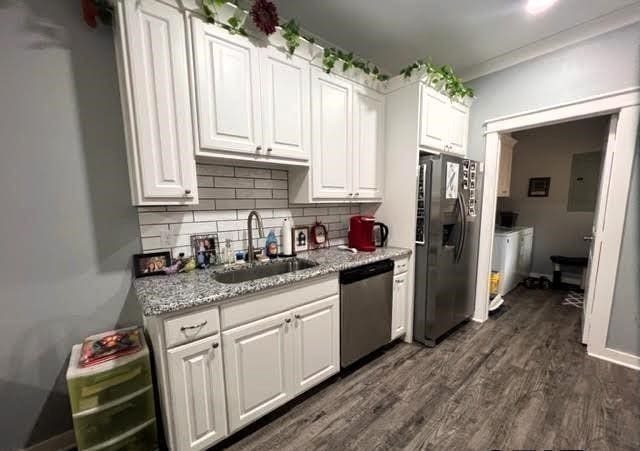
(463, 225)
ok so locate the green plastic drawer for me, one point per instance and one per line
(106, 424)
(146, 439)
(95, 390)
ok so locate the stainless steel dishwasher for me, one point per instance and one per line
(366, 294)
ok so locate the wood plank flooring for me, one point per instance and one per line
(521, 381)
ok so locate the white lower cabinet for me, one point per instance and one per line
(399, 310)
(258, 367)
(317, 346)
(198, 398)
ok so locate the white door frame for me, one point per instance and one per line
(626, 104)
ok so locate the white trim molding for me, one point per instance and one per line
(626, 104)
(614, 20)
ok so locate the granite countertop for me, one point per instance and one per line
(165, 294)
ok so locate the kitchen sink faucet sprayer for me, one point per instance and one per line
(250, 256)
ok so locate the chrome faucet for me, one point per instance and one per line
(250, 256)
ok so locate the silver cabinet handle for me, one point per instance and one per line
(215, 345)
(357, 194)
(187, 192)
(269, 149)
(297, 316)
(288, 320)
(588, 238)
(197, 326)
(258, 148)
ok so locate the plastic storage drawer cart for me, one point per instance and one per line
(113, 403)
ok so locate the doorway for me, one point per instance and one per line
(548, 187)
(614, 189)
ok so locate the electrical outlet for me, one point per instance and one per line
(166, 239)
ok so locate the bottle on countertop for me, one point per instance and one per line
(286, 247)
(271, 245)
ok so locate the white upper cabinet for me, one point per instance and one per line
(196, 381)
(458, 128)
(154, 78)
(444, 124)
(286, 98)
(368, 143)
(227, 78)
(434, 119)
(332, 136)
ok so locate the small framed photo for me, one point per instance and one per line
(300, 238)
(539, 186)
(151, 264)
(205, 249)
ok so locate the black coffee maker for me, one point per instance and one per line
(380, 234)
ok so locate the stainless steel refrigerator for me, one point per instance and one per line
(447, 233)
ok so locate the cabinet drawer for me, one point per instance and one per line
(192, 326)
(401, 265)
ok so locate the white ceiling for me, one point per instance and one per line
(462, 33)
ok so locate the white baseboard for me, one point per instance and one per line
(62, 442)
(565, 279)
(618, 357)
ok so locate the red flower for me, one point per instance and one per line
(265, 16)
(89, 13)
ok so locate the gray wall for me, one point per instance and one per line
(66, 225)
(602, 64)
(548, 152)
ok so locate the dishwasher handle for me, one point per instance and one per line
(365, 271)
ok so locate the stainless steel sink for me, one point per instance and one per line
(262, 270)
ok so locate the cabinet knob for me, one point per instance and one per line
(357, 194)
(269, 149)
(187, 191)
(350, 194)
(288, 320)
(215, 345)
(297, 316)
(258, 148)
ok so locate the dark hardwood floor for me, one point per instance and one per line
(521, 381)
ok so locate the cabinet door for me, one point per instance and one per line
(399, 312)
(332, 135)
(317, 342)
(227, 90)
(368, 143)
(258, 368)
(504, 171)
(458, 128)
(154, 65)
(286, 99)
(197, 393)
(434, 119)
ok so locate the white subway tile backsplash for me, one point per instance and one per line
(254, 173)
(279, 175)
(166, 217)
(211, 169)
(273, 184)
(253, 193)
(235, 204)
(204, 216)
(230, 182)
(271, 203)
(217, 193)
(193, 228)
(227, 195)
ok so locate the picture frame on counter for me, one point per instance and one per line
(205, 249)
(300, 239)
(151, 264)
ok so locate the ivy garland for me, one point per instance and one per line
(440, 75)
(234, 25)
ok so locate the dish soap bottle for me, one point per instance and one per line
(272, 245)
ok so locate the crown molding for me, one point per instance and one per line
(614, 20)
